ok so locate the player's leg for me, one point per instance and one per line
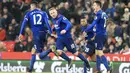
(60, 46)
(99, 53)
(43, 54)
(33, 58)
(38, 46)
(69, 43)
(93, 57)
(89, 50)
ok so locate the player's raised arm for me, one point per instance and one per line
(93, 23)
(47, 23)
(67, 22)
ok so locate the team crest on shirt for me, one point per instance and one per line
(64, 18)
(56, 26)
(95, 17)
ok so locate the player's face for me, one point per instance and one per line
(83, 22)
(53, 13)
(95, 7)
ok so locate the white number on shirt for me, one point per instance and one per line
(37, 21)
(86, 49)
(104, 17)
(105, 22)
(72, 46)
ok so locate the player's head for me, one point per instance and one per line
(97, 6)
(83, 21)
(33, 5)
(53, 12)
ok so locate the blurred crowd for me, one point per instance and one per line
(118, 24)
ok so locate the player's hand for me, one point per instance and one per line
(63, 32)
(54, 35)
(84, 35)
(93, 37)
(20, 37)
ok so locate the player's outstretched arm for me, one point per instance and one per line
(25, 20)
(81, 38)
(93, 23)
(47, 23)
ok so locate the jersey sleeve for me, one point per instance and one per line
(47, 23)
(97, 18)
(25, 20)
(67, 22)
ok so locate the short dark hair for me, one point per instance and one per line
(98, 3)
(51, 8)
(35, 3)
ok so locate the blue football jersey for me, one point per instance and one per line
(37, 20)
(90, 33)
(62, 23)
(100, 22)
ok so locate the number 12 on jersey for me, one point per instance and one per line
(37, 19)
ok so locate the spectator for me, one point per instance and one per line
(112, 49)
(1, 20)
(29, 44)
(2, 47)
(16, 13)
(19, 46)
(119, 44)
(118, 31)
(28, 32)
(126, 39)
(11, 33)
(111, 28)
(126, 15)
(65, 10)
(9, 15)
(128, 5)
(2, 34)
(110, 10)
(126, 50)
(15, 26)
(109, 41)
(116, 17)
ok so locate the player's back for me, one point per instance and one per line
(36, 20)
(101, 23)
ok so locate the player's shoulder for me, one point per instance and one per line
(27, 13)
(62, 17)
(99, 12)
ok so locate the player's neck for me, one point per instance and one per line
(98, 9)
(34, 8)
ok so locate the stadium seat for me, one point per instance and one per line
(9, 45)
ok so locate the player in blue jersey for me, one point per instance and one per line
(101, 35)
(89, 47)
(37, 20)
(62, 26)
